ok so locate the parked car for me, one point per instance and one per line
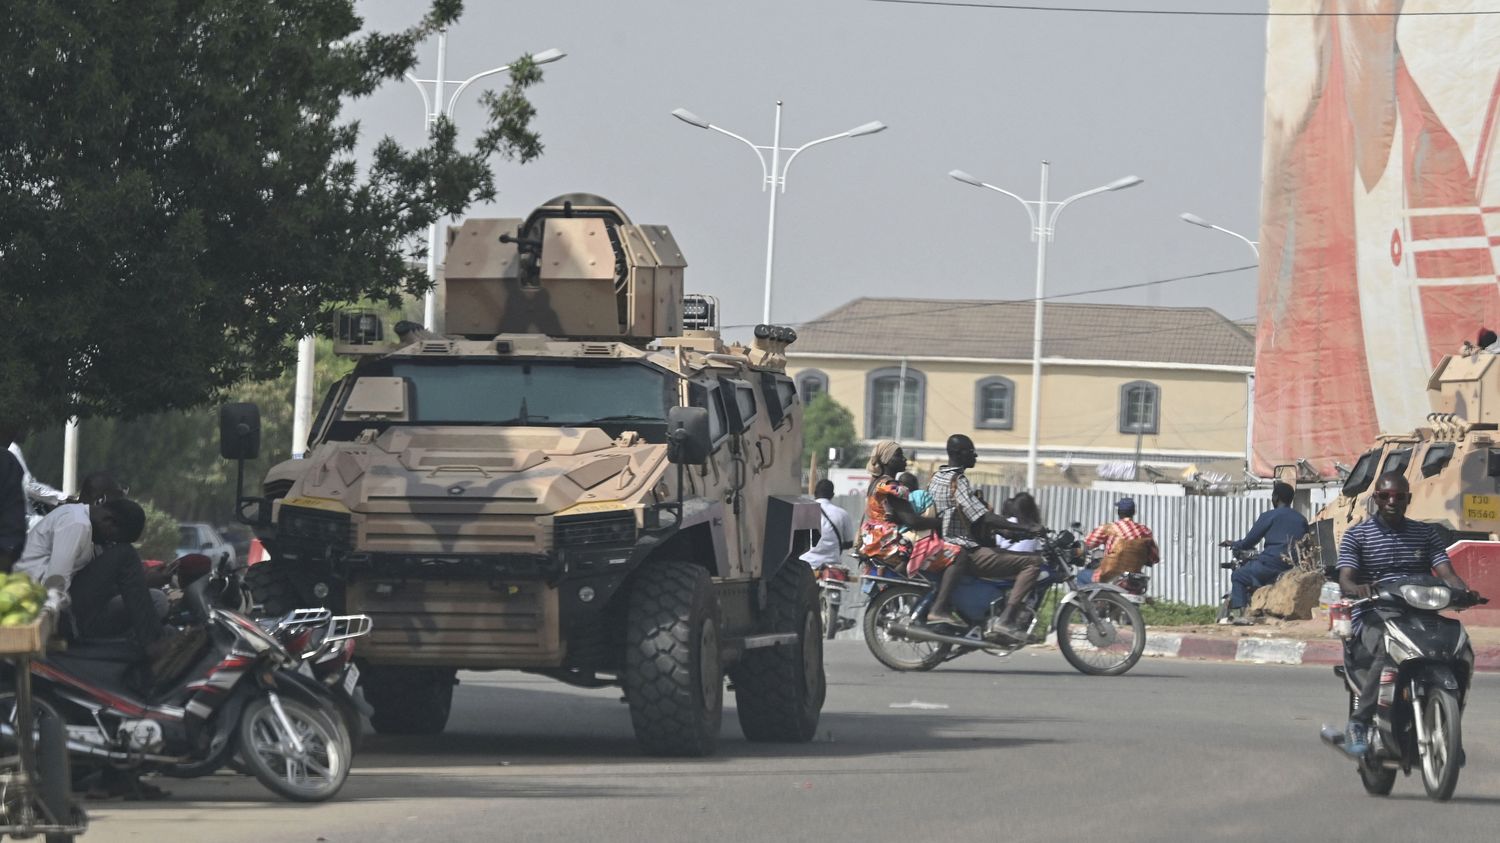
(197, 537)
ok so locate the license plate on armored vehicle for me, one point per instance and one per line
(1482, 507)
(351, 678)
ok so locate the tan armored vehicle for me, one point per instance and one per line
(567, 481)
(1452, 464)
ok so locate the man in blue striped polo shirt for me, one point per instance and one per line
(1377, 549)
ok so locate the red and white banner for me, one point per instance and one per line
(1380, 217)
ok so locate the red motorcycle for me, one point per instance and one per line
(833, 585)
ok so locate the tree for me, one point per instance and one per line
(172, 459)
(828, 424)
(182, 199)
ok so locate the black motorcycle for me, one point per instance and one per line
(1418, 719)
(1239, 558)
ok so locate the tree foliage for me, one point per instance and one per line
(181, 197)
(172, 459)
(828, 424)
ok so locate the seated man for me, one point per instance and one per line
(964, 516)
(63, 544)
(1280, 527)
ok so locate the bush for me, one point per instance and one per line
(159, 539)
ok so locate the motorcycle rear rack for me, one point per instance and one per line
(344, 627)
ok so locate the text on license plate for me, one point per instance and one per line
(1482, 507)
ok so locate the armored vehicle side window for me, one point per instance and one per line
(334, 396)
(1362, 474)
(779, 393)
(739, 400)
(1437, 458)
(1397, 461)
(708, 397)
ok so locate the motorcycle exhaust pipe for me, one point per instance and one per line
(917, 632)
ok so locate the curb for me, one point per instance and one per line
(1271, 650)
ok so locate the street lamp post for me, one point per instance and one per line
(1194, 219)
(773, 176)
(1043, 214)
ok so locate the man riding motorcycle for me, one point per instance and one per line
(1377, 549)
(1280, 527)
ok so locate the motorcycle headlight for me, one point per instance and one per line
(1431, 597)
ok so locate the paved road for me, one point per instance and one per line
(1024, 749)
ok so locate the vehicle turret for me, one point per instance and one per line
(576, 267)
(1466, 388)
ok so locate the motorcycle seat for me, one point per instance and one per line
(101, 662)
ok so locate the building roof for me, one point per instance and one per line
(1002, 330)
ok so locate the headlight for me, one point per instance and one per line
(1432, 597)
(314, 524)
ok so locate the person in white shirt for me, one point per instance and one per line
(836, 532)
(36, 491)
(63, 544)
(1022, 511)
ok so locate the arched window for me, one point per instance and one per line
(810, 382)
(888, 400)
(1140, 407)
(994, 404)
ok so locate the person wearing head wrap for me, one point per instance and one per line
(884, 537)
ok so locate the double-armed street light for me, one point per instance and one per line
(773, 174)
(1043, 214)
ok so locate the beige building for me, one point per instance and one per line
(1170, 384)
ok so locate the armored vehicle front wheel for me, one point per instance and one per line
(409, 700)
(673, 678)
(779, 690)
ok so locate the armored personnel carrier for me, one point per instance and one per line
(569, 481)
(1452, 464)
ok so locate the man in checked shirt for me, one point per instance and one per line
(965, 516)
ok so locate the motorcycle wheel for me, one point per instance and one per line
(830, 614)
(1223, 614)
(1108, 647)
(318, 772)
(893, 651)
(1441, 716)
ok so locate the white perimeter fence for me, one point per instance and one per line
(1188, 529)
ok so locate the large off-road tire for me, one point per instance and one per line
(408, 700)
(780, 690)
(673, 677)
(272, 588)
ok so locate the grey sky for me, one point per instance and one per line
(1176, 100)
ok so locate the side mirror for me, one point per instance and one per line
(239, 431)
(688, 440)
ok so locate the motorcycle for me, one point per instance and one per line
(1238, 559)
(833, 582)
(238, 691)
(1419, 713)
(1099, 629)
(324, 643)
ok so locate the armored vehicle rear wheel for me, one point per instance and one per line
(408, 700)
(272, 588)
(780, 690)
(673, 678)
